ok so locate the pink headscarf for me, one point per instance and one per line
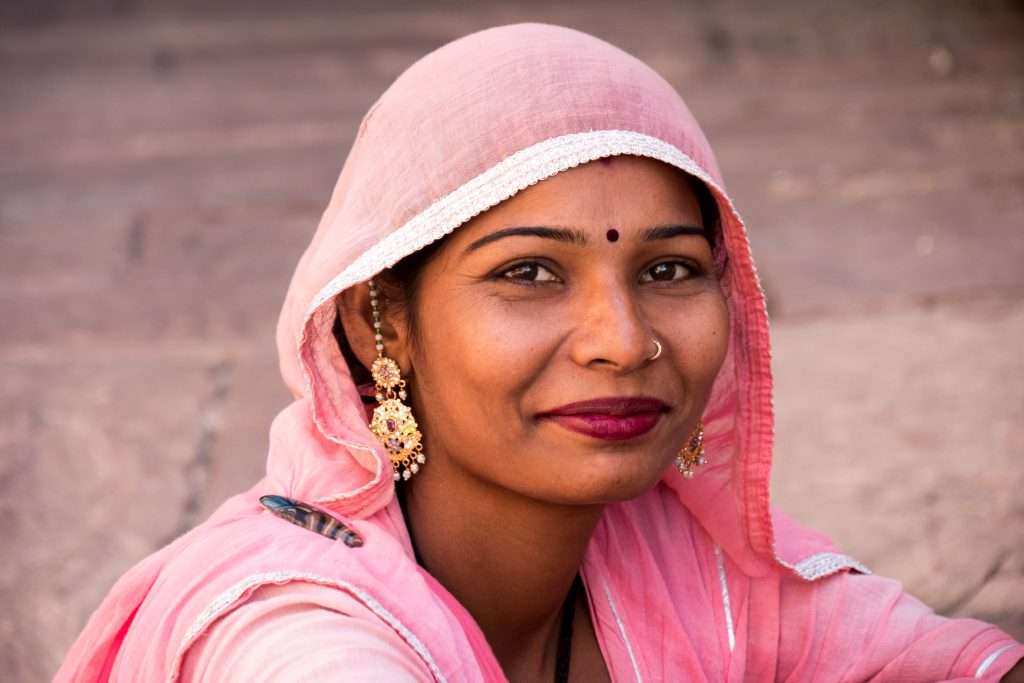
(464, 128)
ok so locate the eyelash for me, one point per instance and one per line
(694, 269)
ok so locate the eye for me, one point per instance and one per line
(668, 271)
(529, 272)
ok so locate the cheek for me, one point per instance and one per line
(480, 356)
(718, 336)
(701, 336)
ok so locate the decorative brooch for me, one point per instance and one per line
(307, 517)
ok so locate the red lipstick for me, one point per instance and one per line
(615, 418)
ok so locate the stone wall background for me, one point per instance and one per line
(163, 164)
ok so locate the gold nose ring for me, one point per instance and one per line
(658, 352)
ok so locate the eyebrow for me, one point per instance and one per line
(578, 237)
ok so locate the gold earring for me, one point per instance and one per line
(392, 422)
(692, 454)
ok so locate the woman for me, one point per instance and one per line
(530, 311)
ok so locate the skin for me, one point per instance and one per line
(504, 508)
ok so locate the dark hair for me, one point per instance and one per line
(400, 284)
(710, 215)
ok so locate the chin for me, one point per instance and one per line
(609, 483)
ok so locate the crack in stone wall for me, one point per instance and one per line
(953, 606)
(197, 472)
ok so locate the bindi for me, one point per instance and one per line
(612, 235)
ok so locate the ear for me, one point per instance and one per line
(353, 307)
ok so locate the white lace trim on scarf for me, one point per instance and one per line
(622, 632)
(726, 602)
(509, 176)
(820, 565)
(990, 660)
(228, 599)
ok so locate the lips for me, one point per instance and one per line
(615, 418)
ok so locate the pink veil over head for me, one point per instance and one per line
(462, 129)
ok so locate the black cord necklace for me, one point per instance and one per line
(563, 655)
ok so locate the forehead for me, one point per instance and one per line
(624, 192)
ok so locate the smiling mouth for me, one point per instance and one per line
(616, 418)
(608, 427)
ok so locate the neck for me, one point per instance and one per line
(508, 559)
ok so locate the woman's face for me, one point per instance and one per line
(511, 326)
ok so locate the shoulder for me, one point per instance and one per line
(301, 631)
(858, 627)
(216, 573)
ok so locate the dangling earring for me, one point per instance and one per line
(692, 454)
(392, 422)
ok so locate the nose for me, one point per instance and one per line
(612, 331)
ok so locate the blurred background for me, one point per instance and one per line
(163, 164)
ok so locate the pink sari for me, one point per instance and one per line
(696, 580)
